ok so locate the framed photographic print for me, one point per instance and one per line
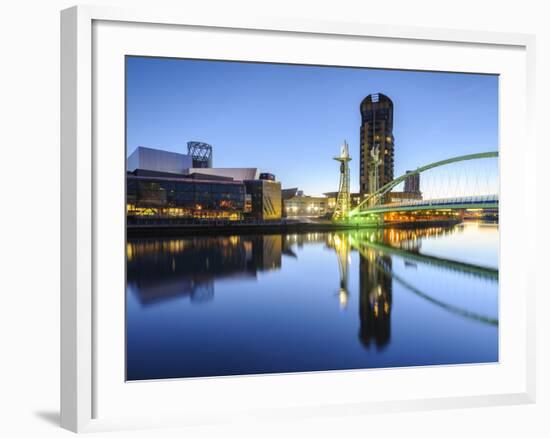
(273, 218)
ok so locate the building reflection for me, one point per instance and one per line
(160, 269)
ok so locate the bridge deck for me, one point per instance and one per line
(457, 203)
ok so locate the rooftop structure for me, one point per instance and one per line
(290, 193)
(201, 153)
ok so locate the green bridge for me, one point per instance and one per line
(373, 207)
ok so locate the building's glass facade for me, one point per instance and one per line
(185, 198)
(376, 131)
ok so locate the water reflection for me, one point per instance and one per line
(375, 299)
(414, 261)
(341, 245)
(160, 269)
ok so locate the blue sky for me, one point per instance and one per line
(291, 120)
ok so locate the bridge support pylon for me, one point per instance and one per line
(343, 201)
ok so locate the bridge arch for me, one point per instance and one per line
(389, 186)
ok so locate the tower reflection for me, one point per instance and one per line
(375, 285)
(375, 299)
(375, 274)
(341, 244)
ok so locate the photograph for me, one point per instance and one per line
(291, 218)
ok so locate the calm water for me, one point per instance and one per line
(211, 306)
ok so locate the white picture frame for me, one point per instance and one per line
(85, 378)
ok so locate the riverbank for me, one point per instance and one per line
(269, 228)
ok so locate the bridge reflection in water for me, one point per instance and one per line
(162, 272)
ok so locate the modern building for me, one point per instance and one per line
(183, 197)
(296, 204)
(376, 143)
(158, 160)
(164, 188)
(412, 182)
(265, 199)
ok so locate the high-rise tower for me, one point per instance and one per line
(376, 133)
